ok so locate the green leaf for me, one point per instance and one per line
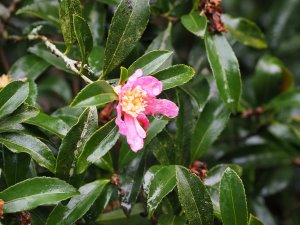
(95, 94)
(15, 166)
(150, 62)
(35, 192)
(33, 92)
(171, 220)
(285, 100)
(159, 181)
(12, 96)
(194, 198)
(68, 115)
(245, 31)
(78, 205)
(110, 2)
(73, 144)
(270, 79)
(254, 221)
(29, 66)
(208, 127)
(46, 10)
(225, 67)
(233, 203)
(40, 50)
(96, 59)
(127, 26)
(162, 42)
(84, 38)
(34, 147)
(51, 124)
(97, 146)
(195, 23)
(175, 76)
(23, 113)
(123, 76)
(67, 9)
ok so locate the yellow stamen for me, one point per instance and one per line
(4, 80)
(133, 101)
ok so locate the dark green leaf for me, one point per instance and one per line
(67, 9)
(34, 147)
(12, 96)
(51, 124)
(97, 146)
(110, 2)
(171, 220)
(46, 10)
(105, 163)
(73, 144)
(150, 62)
(194, 198)
(95, 94)
(123, 76)
(34, 192)
(225, 67)
(245, 31)
(271, 78)
(159, 181)
(33, 92)
(127, 26)
(68, 115)
(28, 66)
(175, 76)
(210, 124)
(285, 100)
(233, 203)
(195, 23)
(23, 113)
(78, 205)
(15, 166)
(95, 59)
(84, 38)
(162, 42)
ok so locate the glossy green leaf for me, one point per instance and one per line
(254, 221)
(46, 10)
(73, 144)
(212, 183)
(245, 31)
(67, 9)
(127, 26)
(34, 147)
(194, 198)
(78, 205)
(123, 75)
(84, 38)
(195, 23)
(171, 220)
(95, 94)
(28, 66)
(162, 42)
(33, 93)
(51, 124)
(15, 166)
(69, 115)
(105, 163)
(12, 96)
(110, 2)
(35, 192)
(285, 100)
(150, 62)
(225, 67)
(23, 113)
(233, 203)
(97, 146)
(132, 182)
(159, 181)
(271, 77)
(96, 60)
(175, 76)
(209, 126)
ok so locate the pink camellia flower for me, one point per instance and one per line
(137, 98)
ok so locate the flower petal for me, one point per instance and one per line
(121, 124)
(143, 120)
(161, 106)
(150, 84)
(135, 133)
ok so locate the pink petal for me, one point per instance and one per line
(150, 84)
(121, 124)
(161, 106)
(135, 133)
(131, 80)
(143, 120)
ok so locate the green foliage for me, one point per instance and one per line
(231, 155)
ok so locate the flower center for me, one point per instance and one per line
(133, 101)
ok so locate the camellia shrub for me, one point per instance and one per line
(163, 112)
